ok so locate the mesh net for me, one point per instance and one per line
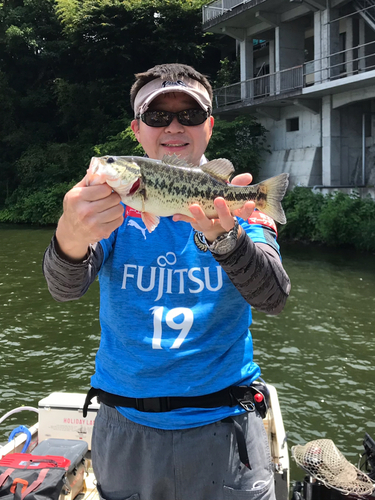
(324, 462)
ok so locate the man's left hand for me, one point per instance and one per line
(213, 228)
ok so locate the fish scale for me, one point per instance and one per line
(182, 182)
(161, 188)
(204, 197)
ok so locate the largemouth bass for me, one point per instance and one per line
(161, 188)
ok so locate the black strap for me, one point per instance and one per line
(91, 394)
(241, 441)
(18, 489)
(231, 396)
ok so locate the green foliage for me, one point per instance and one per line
(113, 39)
(336, 219)
(302, 207)
(228, 73)
(38, 197)
(67, 11)
(348, 220)
(122, 144)
(30, 45)
(63, 162)
(242, 141)
(37, 207)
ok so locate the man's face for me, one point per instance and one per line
(187, 142)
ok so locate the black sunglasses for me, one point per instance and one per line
(187, 117)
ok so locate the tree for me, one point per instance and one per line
(66, 67)
(30, 45)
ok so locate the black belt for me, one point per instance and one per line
(231, 396)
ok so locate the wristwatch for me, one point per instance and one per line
(226, 242)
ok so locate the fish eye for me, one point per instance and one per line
(110, 160)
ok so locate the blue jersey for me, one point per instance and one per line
(172, 323)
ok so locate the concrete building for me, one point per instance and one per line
(307, 72)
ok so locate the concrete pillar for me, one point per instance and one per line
(326, 35)
(271, 55)
(277, 60)
(331, 143)
(289, 50)
(334, 45)
(246, 67)
(325, 45)
(318, 47)
(349, 46)
(362, 50)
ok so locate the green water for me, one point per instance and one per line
(319, 353)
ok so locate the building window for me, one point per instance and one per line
(292, 124)
(309, 49)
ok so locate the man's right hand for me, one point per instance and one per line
(91, 213)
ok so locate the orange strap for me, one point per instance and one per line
(16, 481)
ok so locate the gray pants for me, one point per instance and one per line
(134, 462)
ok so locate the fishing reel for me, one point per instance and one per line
(330, 476)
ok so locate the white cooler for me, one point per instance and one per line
(60, 416)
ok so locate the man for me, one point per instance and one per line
(175, 362)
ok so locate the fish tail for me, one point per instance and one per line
(269, 196)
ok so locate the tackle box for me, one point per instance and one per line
(60, 417)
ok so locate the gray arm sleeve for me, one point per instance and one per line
(256, 271)
(70, 280)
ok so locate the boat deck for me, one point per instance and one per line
(91, 492)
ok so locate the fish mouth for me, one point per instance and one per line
(94, 165)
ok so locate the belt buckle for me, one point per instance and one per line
(243, 397)
(247, 405)
(247, 402)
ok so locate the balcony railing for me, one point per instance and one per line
(349, 62)
(218, 8)
(345, 63)
(250, 90)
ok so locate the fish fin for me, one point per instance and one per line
(176, 161)
(221, 169)
(151, 221)
(275, 189)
